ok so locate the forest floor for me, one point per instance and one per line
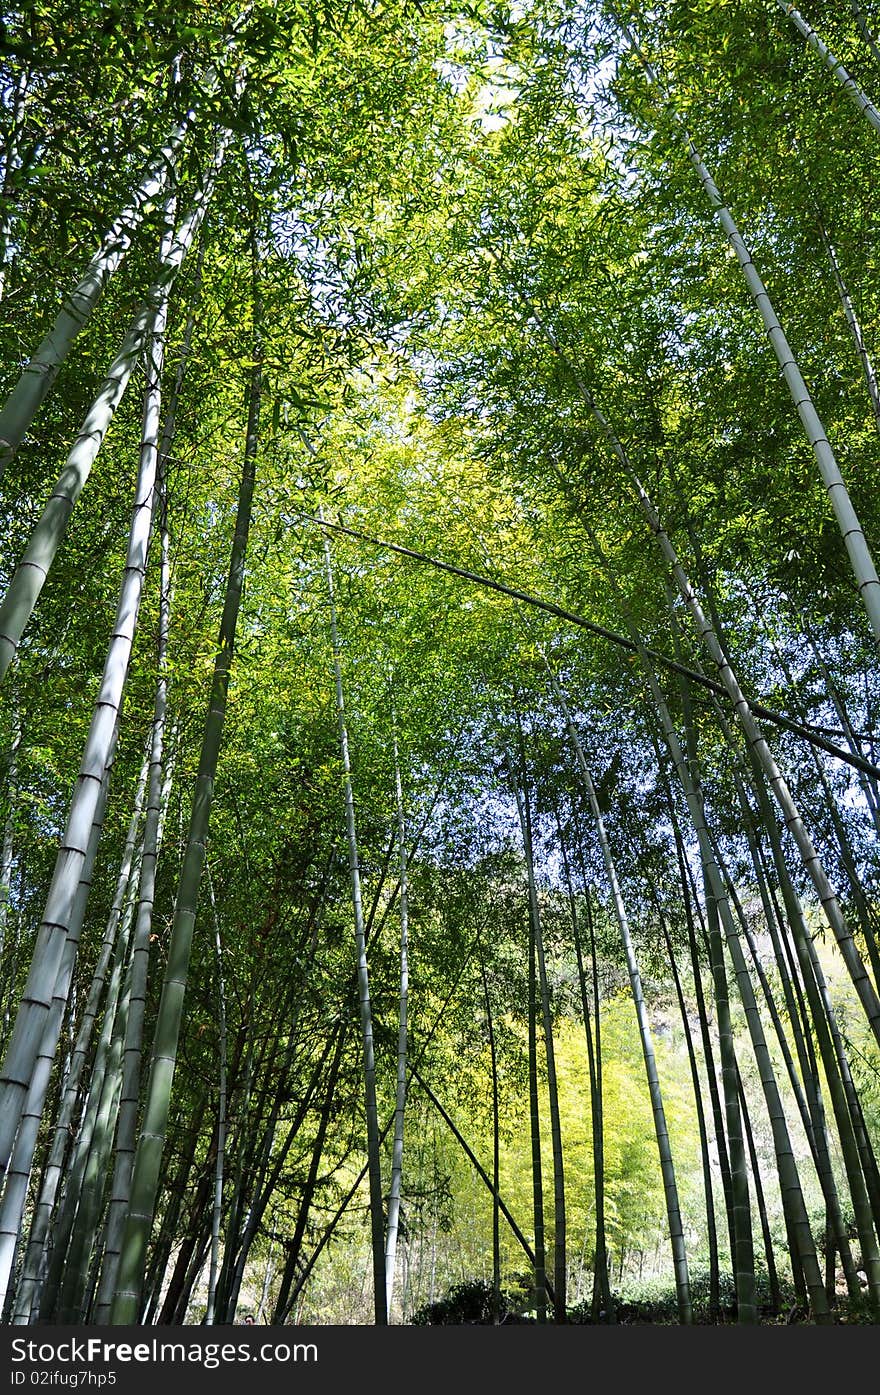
(471, 1303)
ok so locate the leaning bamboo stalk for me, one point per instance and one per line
(851, 529)
(855, 1148)
(853, 324)
(716, 911)
(797, 1221)
(790, 1186)
(811, 734)
(865, 32)
(38, 376)
(171, 1228)
(477, 1166)
(811, 1114)
(792, 1194)
(833, 64)
(21, 1053)
(855, 1145)
(799, 1020)
(868, 786)
(144, 502)
(30, 575)
(845, 848)
(766, 1235)
(692, 912)
(811, 861)
(756, 741)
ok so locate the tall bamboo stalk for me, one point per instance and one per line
(853, 322)
(711, 1229)
(27, 1292)
(766, 1235)
(855, 1146)
(65, 1219)
(374, 1169)
(7, 844)
(524, 810)
(126, 1124)
(758, 745)
(540, 1255)
(145, 1180)
(744, 709)
(603, 1298)
(400, 1101)
(75, 1287)
(667, 1165)
(496, 1140)
(217, 1207)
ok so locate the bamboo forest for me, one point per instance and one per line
(439, 662)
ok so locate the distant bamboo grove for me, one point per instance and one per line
(440, 783)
